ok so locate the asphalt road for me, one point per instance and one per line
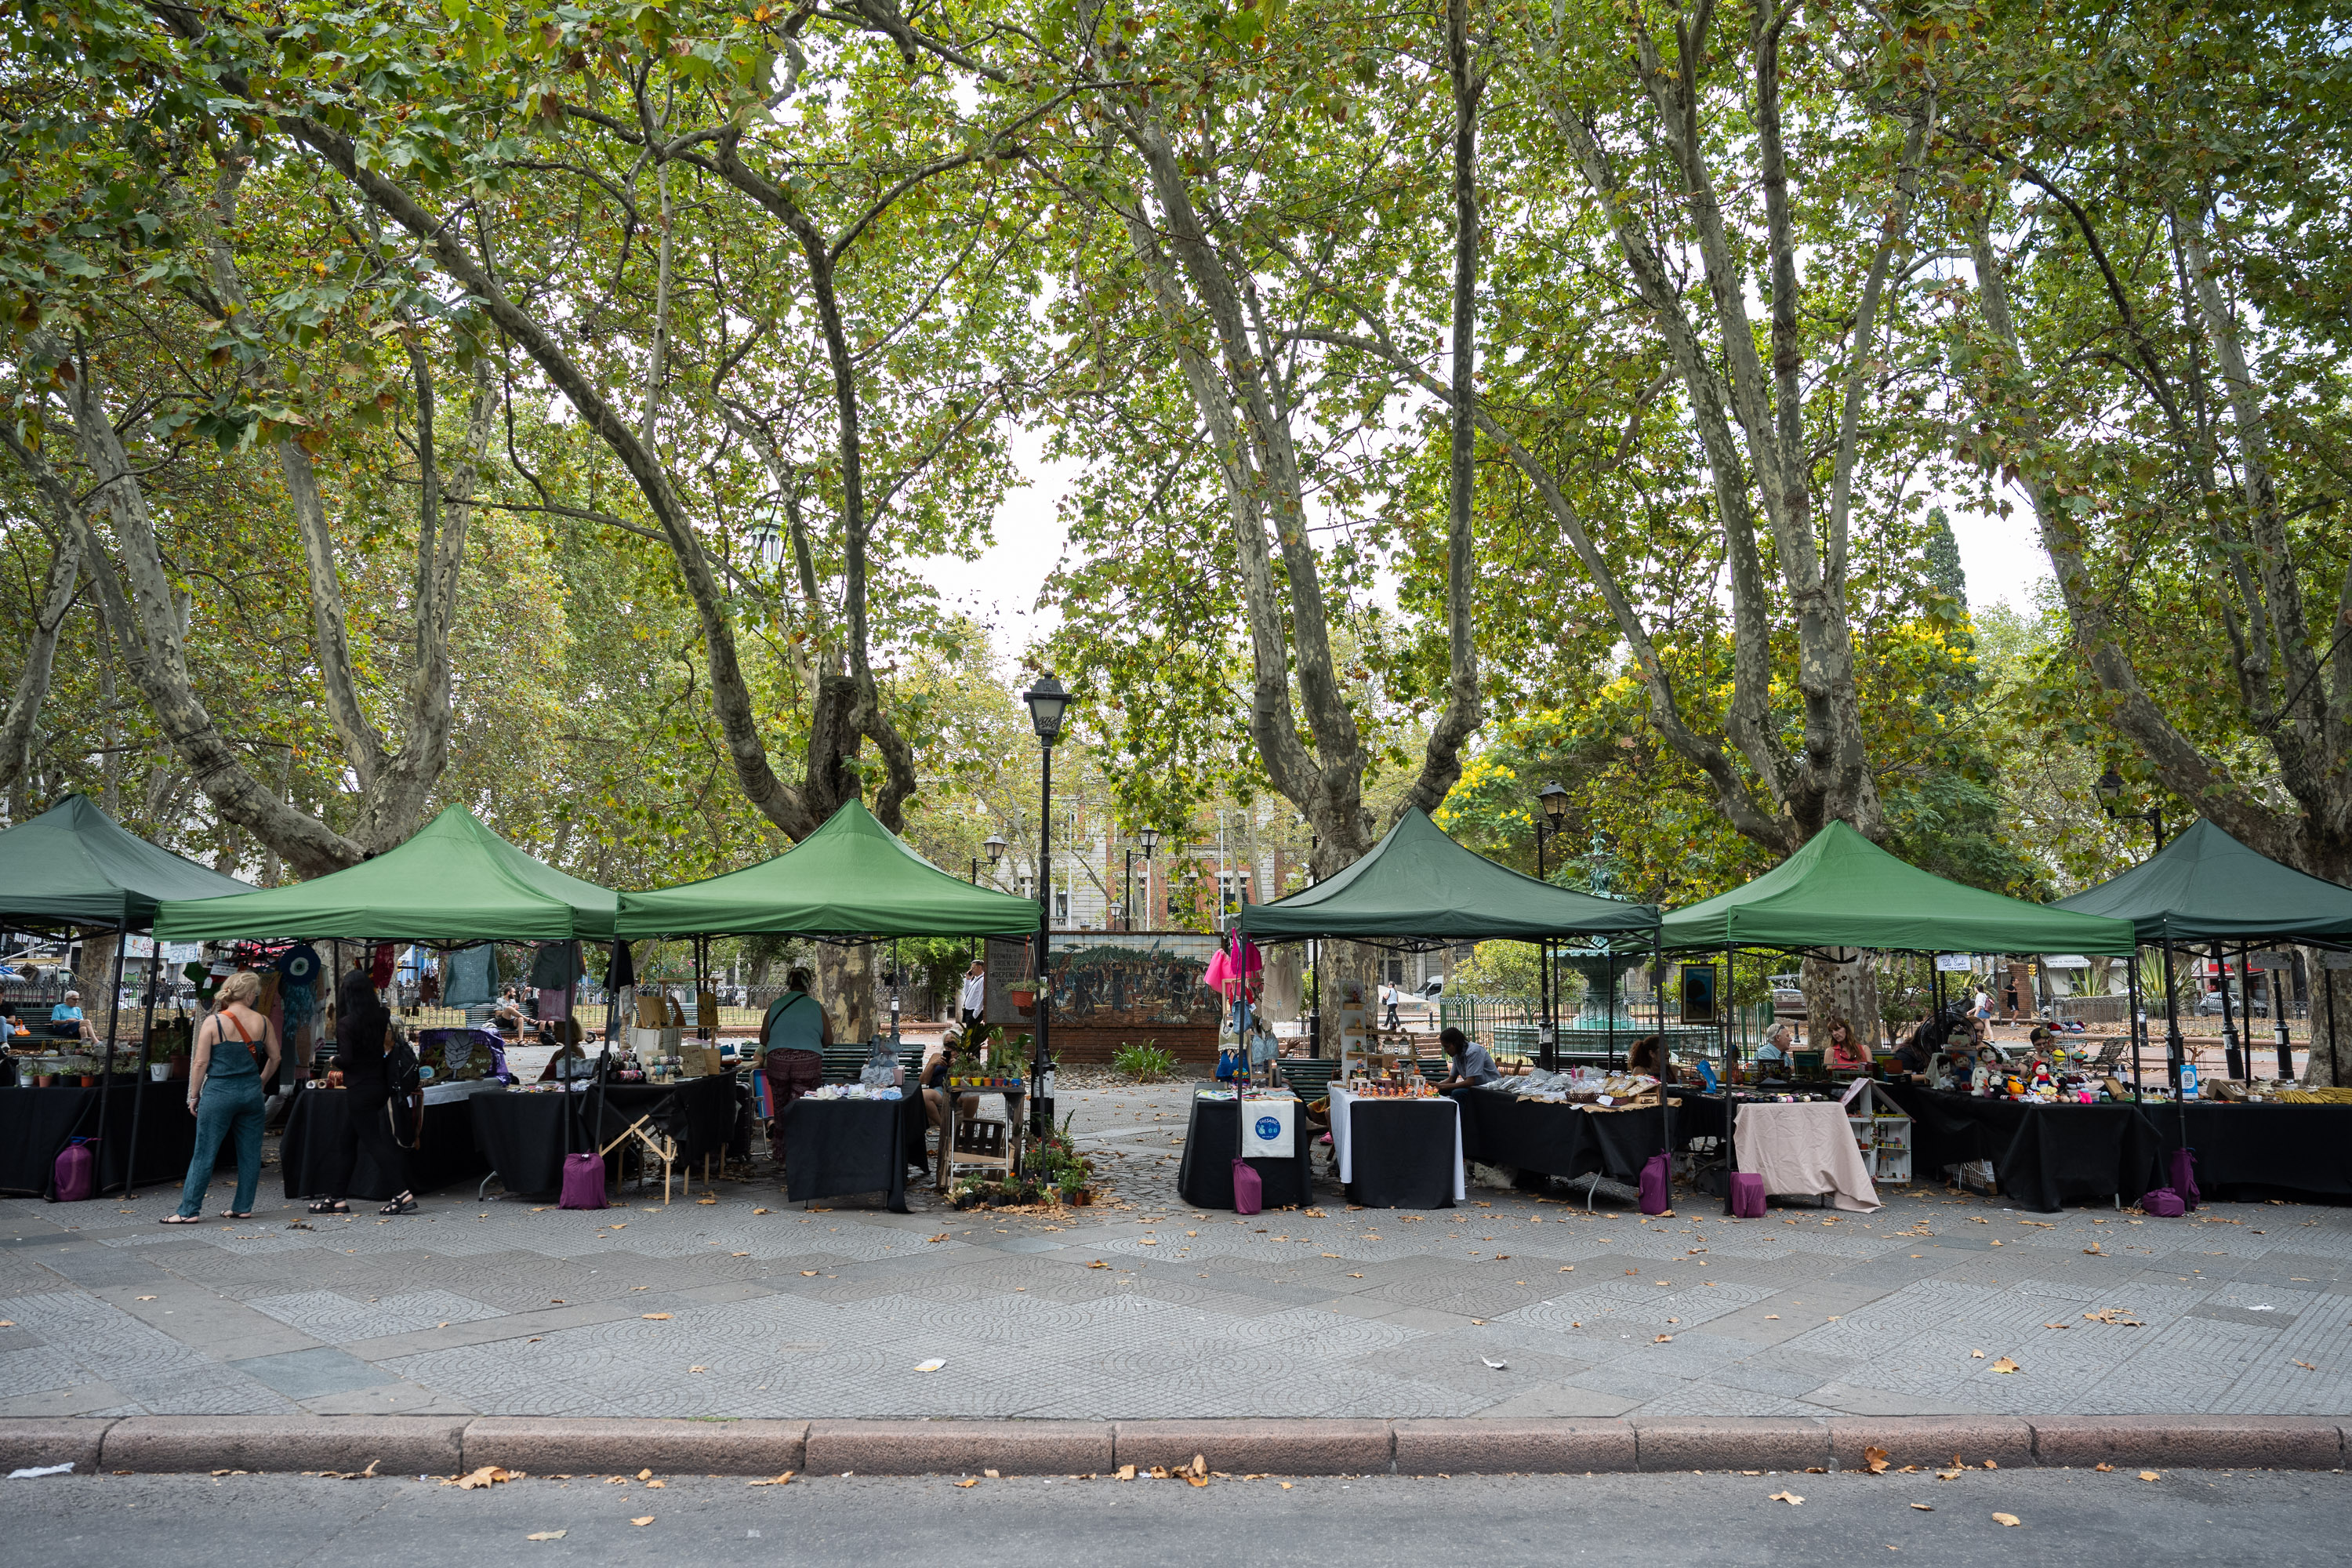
(2064, 1516)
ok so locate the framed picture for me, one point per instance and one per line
(1698, 994)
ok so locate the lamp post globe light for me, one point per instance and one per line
(994, 845)
(1047, 701)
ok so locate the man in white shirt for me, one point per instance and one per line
(974, 1000)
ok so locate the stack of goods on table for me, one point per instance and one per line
(2262, 1092)
(855, 1091)
(1589, 1089)
(1391, 1086)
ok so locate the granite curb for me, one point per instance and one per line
(430, 1445)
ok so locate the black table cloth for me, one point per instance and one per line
(1204, 1177)
(1562, 1140)
(833, 1148)
(318, 1156)
(35, 1125)
(2041, 1155)
(522, 1136)
(1401, 1153)
(700, 1112)
(2261, 1150)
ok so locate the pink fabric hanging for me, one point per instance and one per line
(1238, 969)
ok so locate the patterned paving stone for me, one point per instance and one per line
(1341, 1313)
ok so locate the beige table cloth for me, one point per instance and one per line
(1806, 1147)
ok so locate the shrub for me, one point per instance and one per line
(1146, 1063)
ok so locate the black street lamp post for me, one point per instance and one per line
(1150, 837)
(994, 845)
(1047, 701)
(1554, 801)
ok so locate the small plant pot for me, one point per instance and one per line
(44, 1081)
(158, 1072)
(1078, 1198)
(90, 1080)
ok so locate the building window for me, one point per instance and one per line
(1392, 971)
(1062, 908)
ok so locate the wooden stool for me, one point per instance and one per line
(662, 1148)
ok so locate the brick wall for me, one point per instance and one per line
(1075, 1043)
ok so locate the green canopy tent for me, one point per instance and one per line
(1417, 888)
(75, 867)
(851, 878)
(453, 884)
(2205, 887)
(1842, 890)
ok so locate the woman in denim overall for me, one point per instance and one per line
(224, 1096)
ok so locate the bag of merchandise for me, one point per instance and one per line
(2162, 1202)
(881, 1068)
(2184, 1178)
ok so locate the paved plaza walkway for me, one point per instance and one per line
(734, 1302)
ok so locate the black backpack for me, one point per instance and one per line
(400, 1074)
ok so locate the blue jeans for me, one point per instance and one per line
(228, 1107)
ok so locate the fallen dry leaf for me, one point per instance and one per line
(2005, 1365)
(941, 1237)
(151, 1298)
(2306, 1366)
(1662, 1339)
(546, 1535)
(1791, 1499)
(1925, 1507)
(642, 1521)
(697, 1369)
(972, 1482)
(1975, 1355)
(759, 1211)
(991, 1474)
(1197, 1481)
(808, 1273)
(1286, 1486)
(780, 1480)
(1097, 1263)
(2103, 1467)
(655, 1317)
(2007, 1519)
(645, 1475)
(656, 1486)
(2057, 1325)
(2149, 1475)
(1126, 1472)
(489, 1475)
(1948, 1475)
(1990, 1466)
(1874, 1460)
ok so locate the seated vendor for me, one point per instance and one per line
(565, 1036)
(1774, 1057)
(1649, 1057)
(934, 1082)
(1471, 1063)
(68, 1011)
(1918, 1048)
(11, 1026)
(1843, 1052)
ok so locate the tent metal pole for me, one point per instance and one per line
(1609, 999)
(106, 1077)
(2327, 984)
(2280, 984)
(139, 1081)
(2136, 1020)
(2234, 1058)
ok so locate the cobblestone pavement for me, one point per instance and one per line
(735, 1302)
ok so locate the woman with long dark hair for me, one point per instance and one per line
(361, 1026)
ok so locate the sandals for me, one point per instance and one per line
(331, 1205)
(237, 1213)
(182, 1219)
(400, 1205)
